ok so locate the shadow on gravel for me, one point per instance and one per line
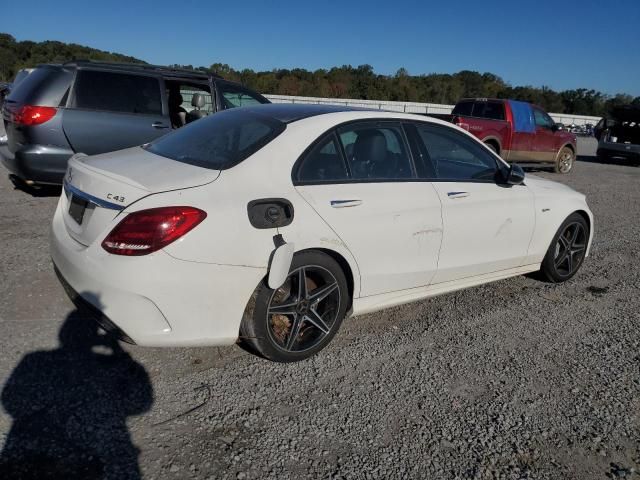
(36, 191)
(610, 161)
(69, 408)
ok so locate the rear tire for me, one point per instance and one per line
(298, 319)
(565, 161)
(567, 250)
(493, 148)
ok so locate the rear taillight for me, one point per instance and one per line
(146, 231)
(31, 114)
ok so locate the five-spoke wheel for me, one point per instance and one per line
(300, 317)
(568, 249)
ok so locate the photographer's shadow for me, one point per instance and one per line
(69, 408)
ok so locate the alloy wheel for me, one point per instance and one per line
(565, 163)
(302, 312)
(570, 249)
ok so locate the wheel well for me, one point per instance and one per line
(346, 268)
(495, 143)
(584, 215)
(570, 147)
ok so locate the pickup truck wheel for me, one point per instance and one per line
(492, 147)
(565, 161)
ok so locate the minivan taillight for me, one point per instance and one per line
(31, 114)
(146, 231)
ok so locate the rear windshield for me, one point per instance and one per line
(463, 108)
(45, 86)
(219, 141)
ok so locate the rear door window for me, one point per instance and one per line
(117, 92)
(218, 141)
(323, 164)
(376, 151)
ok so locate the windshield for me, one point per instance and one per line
(219, 141)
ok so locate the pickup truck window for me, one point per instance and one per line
(455, 157)
(494, 110)
(542, 119)
(463, 108)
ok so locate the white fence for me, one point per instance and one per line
(412, 107)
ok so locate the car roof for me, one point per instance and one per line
(292, 112)
(133, 67)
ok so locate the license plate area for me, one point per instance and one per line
(77, 207)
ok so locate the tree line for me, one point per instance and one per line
(359, 82)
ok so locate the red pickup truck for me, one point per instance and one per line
(517, 131)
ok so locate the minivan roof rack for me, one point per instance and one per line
(139, 66)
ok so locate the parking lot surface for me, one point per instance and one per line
(515, 379)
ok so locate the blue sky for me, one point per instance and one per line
(562, 44)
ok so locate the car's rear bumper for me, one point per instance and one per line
(36, 163)
(618, 150)
(156, 299)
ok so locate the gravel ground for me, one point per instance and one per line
(516, 379)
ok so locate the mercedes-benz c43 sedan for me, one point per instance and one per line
(271, 224)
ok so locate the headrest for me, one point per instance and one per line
(198, 100)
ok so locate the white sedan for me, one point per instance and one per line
(271, 224)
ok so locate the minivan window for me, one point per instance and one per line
(234, 96)
(44, 86)
(219, 141)
(117, 92)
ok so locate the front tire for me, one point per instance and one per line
(298, 319)
(567, 250)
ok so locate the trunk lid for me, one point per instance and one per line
(98, 188)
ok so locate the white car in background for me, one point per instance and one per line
(273, 223)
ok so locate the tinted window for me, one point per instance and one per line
(494, 110)
(478, 109)
(456, 157)
(376, 152)
(44, 86)
(117, 92)
(219, 141)
(463, 108)
(234, 96)
(542, 119)
(324, 163)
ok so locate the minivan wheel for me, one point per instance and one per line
(567, 250)
(298, 319)
(565, 161)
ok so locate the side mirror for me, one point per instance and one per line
(515, 175)
(555, 127)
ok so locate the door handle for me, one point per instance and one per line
(159, 125)
(454, 195)
(345, 203)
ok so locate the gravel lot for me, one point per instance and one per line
(516, 379)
